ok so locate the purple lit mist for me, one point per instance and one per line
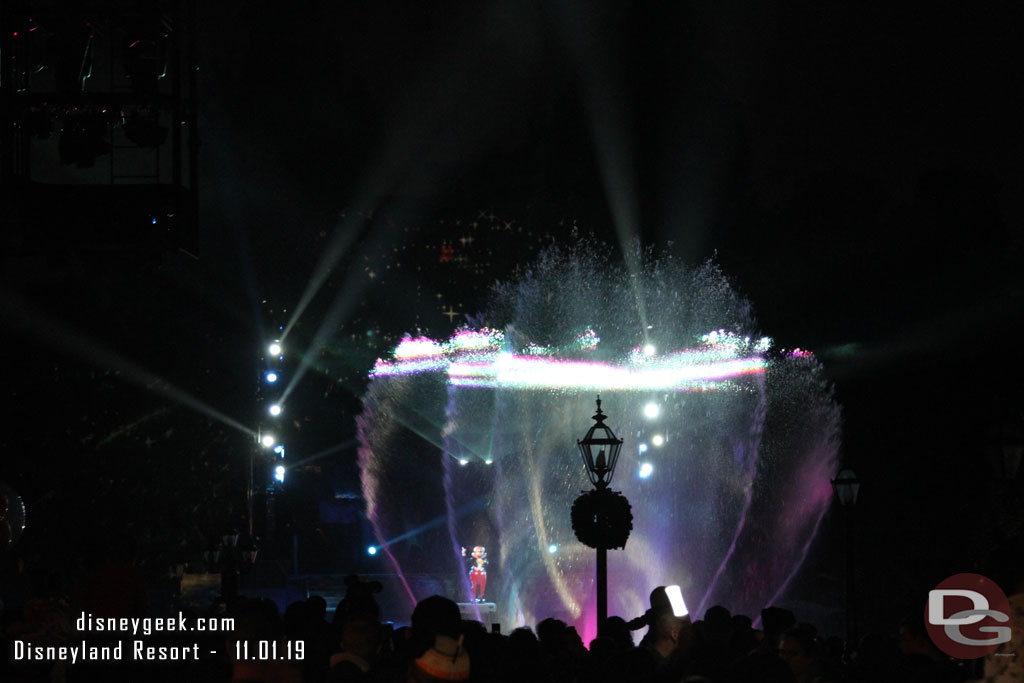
(735, 491)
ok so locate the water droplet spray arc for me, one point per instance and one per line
(736, 481)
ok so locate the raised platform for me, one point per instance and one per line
(484, 612)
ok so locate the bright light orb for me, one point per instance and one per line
(279, 449)
(267, 440)
(279, 473)
(649, 350)
(658, 440)
(645, 470)
(642, 448)
(275, 410)
(271, 377)
(652, 410)
(552, 548)
(488, 461)
(372, 550)
(275, 349)
(463, 461)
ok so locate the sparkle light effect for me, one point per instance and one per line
(475, 358)
(728, 493)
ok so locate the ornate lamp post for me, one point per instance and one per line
(601, 518)
(1005, 514)
(846, 486)
(1008, 453)
(230, 559)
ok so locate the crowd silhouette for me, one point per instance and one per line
(354, 645)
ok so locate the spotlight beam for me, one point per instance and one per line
(324, 453)
(613, 148)
(21, 316)
(344, 303)
(342, 240)
(433, 523)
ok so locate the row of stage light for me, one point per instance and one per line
(651, 411)
(272, 375)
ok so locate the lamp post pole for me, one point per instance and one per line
(846, 486)
(601, 518)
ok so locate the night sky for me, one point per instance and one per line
(854, 167)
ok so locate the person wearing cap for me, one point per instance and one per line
(437, 637)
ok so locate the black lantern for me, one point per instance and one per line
(847, 486)
(600, 451)
(1007, 452)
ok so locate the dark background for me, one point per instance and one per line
(853, 166)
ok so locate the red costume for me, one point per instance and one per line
(478, 572)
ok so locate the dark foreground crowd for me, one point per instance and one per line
(302, 645)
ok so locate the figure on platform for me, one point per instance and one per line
(477, 571)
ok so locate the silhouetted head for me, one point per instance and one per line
(550, 630)
(799, 647)
(659, 599)
(317, 606)
(717, 619)
(776, 620)
(616, 630)
(358, 600)
(436, 615)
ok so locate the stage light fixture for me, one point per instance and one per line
(658, 440)
(642, 448)
(271, 377)
(372, 550)
(279, 473)
(652, 410)
(645, 470)
(275, 349)
(649, 350)
(552, 548)
(463, 461)
(267, 440)
(275, 410)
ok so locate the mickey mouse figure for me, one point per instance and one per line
(478, 571)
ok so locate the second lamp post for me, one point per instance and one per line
(601, 518)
